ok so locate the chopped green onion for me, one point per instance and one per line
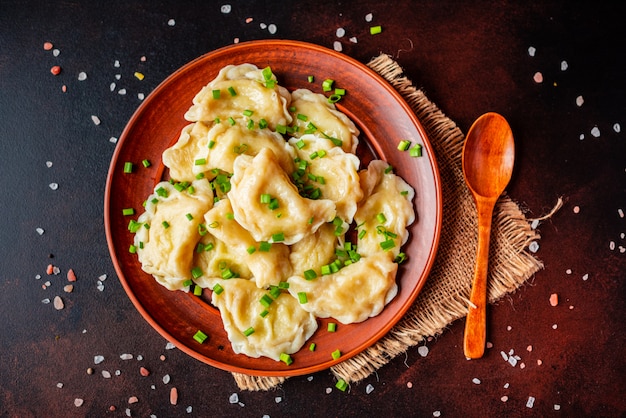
(217, 289)
(381, 218)
(248, 332)
(300, 144)
(275, 291)
(314, 155)
(200, 337)
(327, 85)
(217, 121)
(273, 205)
(387, 244)
(340, 92)
(264, 313)
(388, 169)
(312, 347)
(302, 298)
(336, 354)
(187, 282)
(283, 285)
(292, 109)
(216, 94)
(332, 327)
(321, 153)
(362, 233)
(310, 274)
(251, 249)
(416, 151)
(264, 246)
(262, 124)
(334, 98)
(202, 230)
(228, 274)
(302, 117)
(209, 246)
(265, 198)
(128, 211)
(141, 245)
(165, 224)
(404, 145)
(189, 216)
(266, 301)
(404, 192)
(231, 121)
(230, 216)
(196, 272)
(250, 124)
(232, 91)
(278, 237)
(199, 176)
(281, 129)
(161, 191)
(400, 258)
(285, 358)
(146, 163)
(214, 224)
(128, 167)
(211, 144)
(248, 112)
(341, 385)
(311, 79)
(197, 290)
(267, 73)
(132, 249)
(325, 270)
(375, 30)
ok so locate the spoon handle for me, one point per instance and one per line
(476, 322)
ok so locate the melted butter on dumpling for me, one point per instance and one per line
(389, 195)
(166, 248)
(354, 293)
(251, 94)
(294, 218)
(180, 157)
(284, 329)
(266, 267)
(325, 117)
(228, 142)
(336, 173)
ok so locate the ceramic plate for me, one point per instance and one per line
(383, 118)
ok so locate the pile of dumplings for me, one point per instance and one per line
(265, 188)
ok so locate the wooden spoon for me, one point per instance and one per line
(488, 155)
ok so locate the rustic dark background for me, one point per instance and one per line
(469, 58)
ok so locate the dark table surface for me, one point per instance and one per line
(469, 58)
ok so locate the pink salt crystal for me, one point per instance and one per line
(554, 299)
(144, 372)
(47, 46)
(173, 396)
(538, 77)
(71, 276)
(133, 399)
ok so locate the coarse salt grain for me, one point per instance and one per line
(54, 186)
(509, 328)
(530, 402)
(40, 231)
(557, 407)
(533, 247)
(121, 92)
(513, 361)
(272, 28)
(595, 132)
(579, 101)
(504, 356)
(189, 409)
(113, 140)
(617, 128)
(539, 362)
(476, 381)
(171, 22)
(48, 164)
(620, 212)
(555, 326)
(128, 412)
(337, 46)
(226, 8)
(581, 136)
(504, 398)
(436, 413)
(340, 32)
(531, 51)
(234, 398)
(368, 17)
(126, 356)
(564, 65)
(82, 76)
(538, 77)
(95, 120)
(60, 385)
(45, 301)
(529, 348)
(554, 299)
(506, 385)
(78, 402)
(278, 399)
(98, 359)
(422, 350)
(409, 385)
(141, 96)
(328, 390)
(568, 271)
(369, 389)
(586, 276)
(68, 288)
(534, 224)
(612, 245)
(169, 346)
(112, 86)
(106, 374)
(55, 70)
(71, 276)
(166, 379)
(354, 40)
(576, 209)
(489, 344)
(249, 20)
(144, 372)
(58, 303)
(56, 52)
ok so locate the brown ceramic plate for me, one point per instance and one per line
(383, 118)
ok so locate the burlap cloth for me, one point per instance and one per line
(445, 295)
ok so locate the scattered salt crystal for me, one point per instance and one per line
(539, 362)
(489, 344)
(171, 22)
(234, 398)
(118, 76)
(533, 247)
(568, 271)
(56, 52)
(504, 398)
(173, 396)
(509, 328)
(579, 101)
(504, 356)
(45, 301)
(530, 402)
(58, 303)
(272, 28)
(112, 86)
(144, 372)
(340, 32)
(82, 76)
(612, 245)
(60, 385)
(555, 326)
(369, 389)
(554, 300)
(534, 224)
(278, 399)
(189, 409)
(78, 402)
(263, 26)
(513, 361)
(506, 385)
(128, 412)
(113, 140)
(249, 19)
(169, 346)
(126, 356)
(564, 65)
(226, 8)
(617, 128)
(620, 212)
(557, 407)
(595, 132)
(100, 286)
(522, 365)
(133, 399)
(68, 288)
(476, 381)
(141, 96)
(309, 379)
(529, 348)
(98, 359)
(531, 51)
(47, 46)
(48, 164)
(54, 186)
(538, 77)
(166, 379)
(121, 92)
(40, 231)
(118, 372)
(368, 17)
(436, 413)
(586, 276)
(422, 350)
(116, 63)
(337, 46)
(328, 390)
(581, 137)
(95, 119)
(37, 276)
(576, 209)
(106, 374)
(409, 385)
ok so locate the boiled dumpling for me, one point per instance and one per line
(314, 250)
(354, 293)
(284, 328)
(166, 241)
(385, 211)
(180, 157)
(292, 219)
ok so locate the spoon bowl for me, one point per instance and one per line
(488, 158)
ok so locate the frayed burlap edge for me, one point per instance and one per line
(445, 297)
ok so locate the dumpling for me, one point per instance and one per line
(335, 173)
(354, 293)
(314, 250)
(284, 329)
(166, 241)
(228, 142)
(267, 267)
(180, 157)
(215, 260)
(242, 88)
(326, 120)
(385, 211)
(291, 218)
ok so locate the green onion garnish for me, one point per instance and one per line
(196, 272)
(264, 313)
(302, 298)
(251, 249)
(381, 218)
(336, 354)
(187, 282)
(310, 79)
(232, 91)
(341, 385)
(327, 85)
(286, 358)
(332, 327)
(416, 151)
(312, 347)
(334, 98)
(197, 290)
(266, 301)
(146, 163)
(248, 112)
(211, 144)
(231, 121)
(128, 211)
(228, 274)
(128, 167)
(248, 332)
(310, 274)
(300, 144)
(265, 198)
(132, 249)
(264, 246)
(189, 217)
(216, 94)
(200, 336)
(387, 244)
(262, 124)
(278, 237)
(165, 224)
(404, 145)
(217, 289)
(161, 191)
(375, 30)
